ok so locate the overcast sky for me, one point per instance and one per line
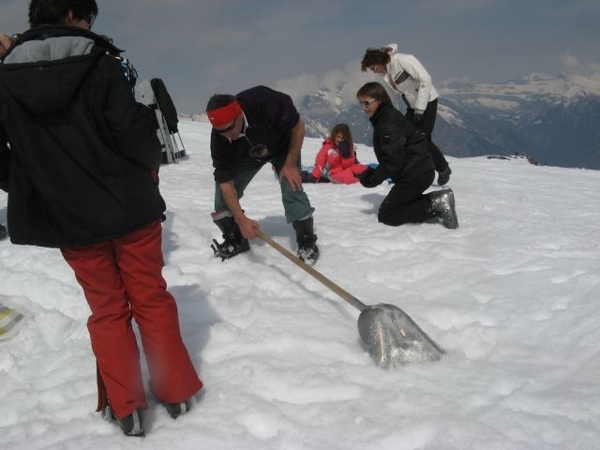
(202, 47)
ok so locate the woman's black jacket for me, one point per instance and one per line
(400, 148)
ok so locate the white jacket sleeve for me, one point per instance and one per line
(413, 80)
(422, 79)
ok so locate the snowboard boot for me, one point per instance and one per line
(234, 243)
(442, 207)
(3, 232)
(131, 425)
(306, 240)
(444, 176)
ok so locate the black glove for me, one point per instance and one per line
(366, 178)
(344, 149)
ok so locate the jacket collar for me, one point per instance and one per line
(48, 31)
(380, 111)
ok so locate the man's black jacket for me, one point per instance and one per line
(271, 116)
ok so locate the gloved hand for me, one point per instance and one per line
(344, 149)
(418, 115)
(366, 178)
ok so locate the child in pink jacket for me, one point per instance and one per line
(337, 159)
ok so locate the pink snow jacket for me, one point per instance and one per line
(330, 163)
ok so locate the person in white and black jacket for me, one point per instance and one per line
(406, 76)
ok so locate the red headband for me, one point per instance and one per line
(225, 114)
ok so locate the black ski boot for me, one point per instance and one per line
(306, 240)
(3, 232)
(179, 409)
(442, 207)
(132, 425)
(234, 242)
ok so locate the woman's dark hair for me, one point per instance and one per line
(53, 12)
(374, 56)
(344, 129)
(374, 90)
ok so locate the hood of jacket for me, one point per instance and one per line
(47, 65)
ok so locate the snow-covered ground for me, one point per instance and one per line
(511, 295)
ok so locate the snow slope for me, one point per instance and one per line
(512, 296)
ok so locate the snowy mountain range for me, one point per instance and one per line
(554, 120)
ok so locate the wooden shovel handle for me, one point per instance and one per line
(322, 278)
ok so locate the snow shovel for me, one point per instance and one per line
(391, 337)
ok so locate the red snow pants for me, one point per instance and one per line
(122, 278)
(349, 175)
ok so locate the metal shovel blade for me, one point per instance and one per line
(393, 338)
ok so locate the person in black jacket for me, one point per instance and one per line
(257, 126)
(5, 44)
(401, 151)
(79, 158)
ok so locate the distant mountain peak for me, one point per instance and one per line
(565, 85)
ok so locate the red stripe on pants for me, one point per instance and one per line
(121, 279)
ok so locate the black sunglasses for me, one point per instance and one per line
(257, 151)
(226, 130)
